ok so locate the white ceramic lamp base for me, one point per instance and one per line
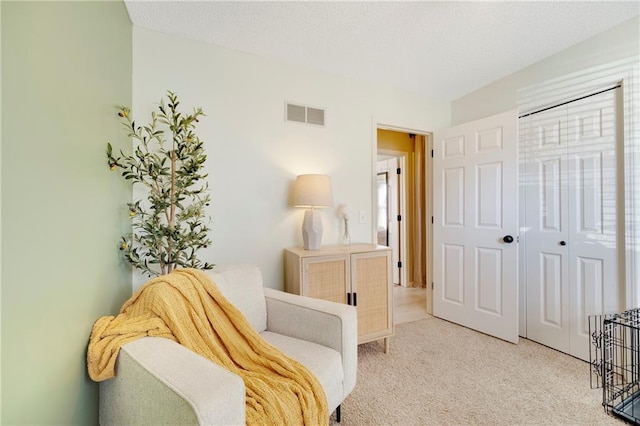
(312, 230)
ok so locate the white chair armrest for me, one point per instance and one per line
(159, 381)
(327, 323)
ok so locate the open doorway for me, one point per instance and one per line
(403, 213)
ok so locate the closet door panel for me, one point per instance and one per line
(546, 218)
(594, 284)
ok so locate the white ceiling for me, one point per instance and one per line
(442, 49)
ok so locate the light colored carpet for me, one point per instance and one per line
(438, 373)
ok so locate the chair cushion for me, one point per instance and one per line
(325, 363)
(242, 286)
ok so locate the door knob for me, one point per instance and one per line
(563, 243)
(507, 239)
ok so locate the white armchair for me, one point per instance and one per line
(159, 381)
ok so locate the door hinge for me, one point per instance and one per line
(398, 170)
(348, 298)
(355, 299)
(431, 153)
(399, 218)
(431, 219)
(399, 264)
(431, 285)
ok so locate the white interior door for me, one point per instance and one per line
(475, 188)
(390, 216)
(571, 245)
(394, 225)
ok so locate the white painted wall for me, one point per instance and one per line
(254, 155)
(615, 44)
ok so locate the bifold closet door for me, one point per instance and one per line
(546, 224)
(571, 220)
(594, 285)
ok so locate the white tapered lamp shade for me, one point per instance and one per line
(312, 192)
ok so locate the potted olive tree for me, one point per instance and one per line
(170, 225)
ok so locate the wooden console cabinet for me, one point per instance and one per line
(356, 274)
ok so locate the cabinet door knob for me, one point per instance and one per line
(507, 239)
(563, 243)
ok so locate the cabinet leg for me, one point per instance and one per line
(387, 342)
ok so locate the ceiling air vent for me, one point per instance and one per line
(304, 114)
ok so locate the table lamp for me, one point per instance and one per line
(312, 192)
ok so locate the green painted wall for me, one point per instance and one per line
(65, 65)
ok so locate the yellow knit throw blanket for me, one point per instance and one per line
(187, 307)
